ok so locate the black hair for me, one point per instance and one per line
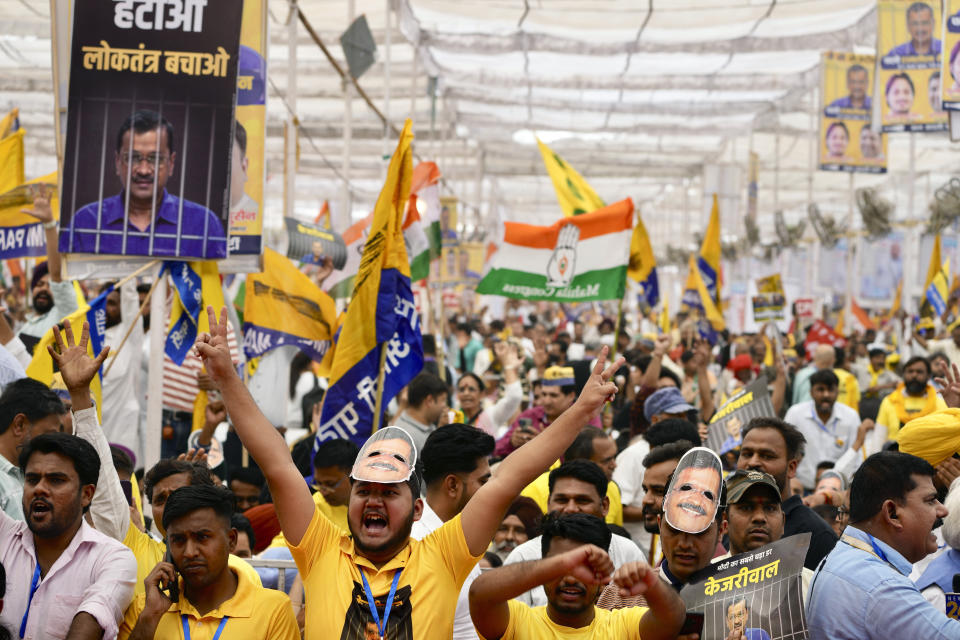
(826, 464)
(240, 135)
(493, 559)
(429, 344)
(199, 474)
(583, 470)
(299, 364)
(85, 459)
(143, 121)
(914, 360)
(856, 67)
(919, 6)
(666, 373)
(839, 357)
(901, 76)
(144, 287)
(121, 460)
(3, 581)
(671, 430)
(617, 530)
(340, 453)
(424, 385)
(938, 355)
(887, 475)
(240, 522)
(668, 451)
(826, 511)
(248, 475)
(826, 377)
(876, 351)
(188, 499)
(838, 124)
(582, 446)
(579, 527)
(106, 285)
(33, 399)
(454, 448)
(469, 374)
(794, 440)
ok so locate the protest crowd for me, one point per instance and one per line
(391, 431)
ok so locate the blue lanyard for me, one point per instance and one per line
(186, 627)
(381, 626)
(33, 589)
(877, 549)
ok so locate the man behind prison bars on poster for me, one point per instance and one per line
(145, 159)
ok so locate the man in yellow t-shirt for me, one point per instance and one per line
(377, 576)
(590, 444)
(913, 398)
(214, 600)
(573, 570)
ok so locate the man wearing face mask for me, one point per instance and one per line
(913, 398)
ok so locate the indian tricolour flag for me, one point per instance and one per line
(421, 226)
(575, 259)
(340, 283)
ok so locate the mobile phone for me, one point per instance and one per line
(692, 624)
(172, 590)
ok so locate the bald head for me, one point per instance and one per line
(824, 357)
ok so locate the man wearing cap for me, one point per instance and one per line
(558, 393)
(376, 574)
(913, 398)
(666, 403)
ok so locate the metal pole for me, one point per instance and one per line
(290, 166)
(346, 206)
(814, 258)
(851, 248)
(158, 325)
(386, 85)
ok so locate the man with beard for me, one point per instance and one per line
(455, 465)
(913, 398)
(72, 581)
(863, 590)
(120, 402)
(415, 582)
(829, 427)
(213, 597)
(27, 409)
(573, 569)
(520, 523)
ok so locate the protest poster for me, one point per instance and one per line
(752, 401)
(757, 595)
(310, 243)
(770, 300)
(150, 128)
(21, 235)
(910, 52)
(848, 139)
(950, 60)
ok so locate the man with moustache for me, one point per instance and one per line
(573, 569)
(913, 398)
(863, 589)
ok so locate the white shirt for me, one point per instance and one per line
(824, 441)
(621, 552)
(270, 384)
(629, 477)
(120, 388)
(463, 628)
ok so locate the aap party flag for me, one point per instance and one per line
(197, 285)
(576, 197)
(381, 323)
(573, 260)
(643, 265)
(708, 262)
(282, 306)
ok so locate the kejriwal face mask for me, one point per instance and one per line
(693, 496)
(388, 456)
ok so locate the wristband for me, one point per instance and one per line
(50, 225)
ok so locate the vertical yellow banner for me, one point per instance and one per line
(950, 67)
(848, 140)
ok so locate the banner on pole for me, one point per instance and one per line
(848, 139)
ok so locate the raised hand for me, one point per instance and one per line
(196, 456)
(212, 347)
(41, 203)
(634, 578)
(76, 367)
(588, 564)
(507, 355)
(950, 387)
(599, 388)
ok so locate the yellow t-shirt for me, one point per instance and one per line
(149, 551)
(539, 492)
(336, 515)
(887, 415)
(848, 392)
(252, 613)
(534, 624)
(433, 570)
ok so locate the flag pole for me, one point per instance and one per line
(126, 279)
(380, 375)
(143, 305)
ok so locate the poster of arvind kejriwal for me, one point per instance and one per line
(150, 128)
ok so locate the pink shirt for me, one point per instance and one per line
(94, 574)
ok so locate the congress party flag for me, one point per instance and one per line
(573, 260)
(196, 286)
(708, 263)
(282, 306)
(643, 264)
(576, 197)
(421, 227)
(381, 323)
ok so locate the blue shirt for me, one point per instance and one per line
(846, 103)
(81, 236)
(907, 49)
(856, 595)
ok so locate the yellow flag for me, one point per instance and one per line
(697, 296)
(9, 123)
(11, 161)
(573, 192)
(665, 316)
(643, 264)
(937, 293)
(708, 263)
(935, 261)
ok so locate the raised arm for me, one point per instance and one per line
(702, 354)
(109, 509)
(490, 592)
(485, 510)
(290, 493)
(667, 611)
(652, 374)
(43, 213)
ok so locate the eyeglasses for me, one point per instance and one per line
(843, 513)
(136, 159)
(327, 486)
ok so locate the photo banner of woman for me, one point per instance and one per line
(910, 48)
(848, 139)
(150, 128)
(950, 60)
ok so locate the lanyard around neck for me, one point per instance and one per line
(186, 627)
(34, 583)
(874, 549)
(381, 626)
